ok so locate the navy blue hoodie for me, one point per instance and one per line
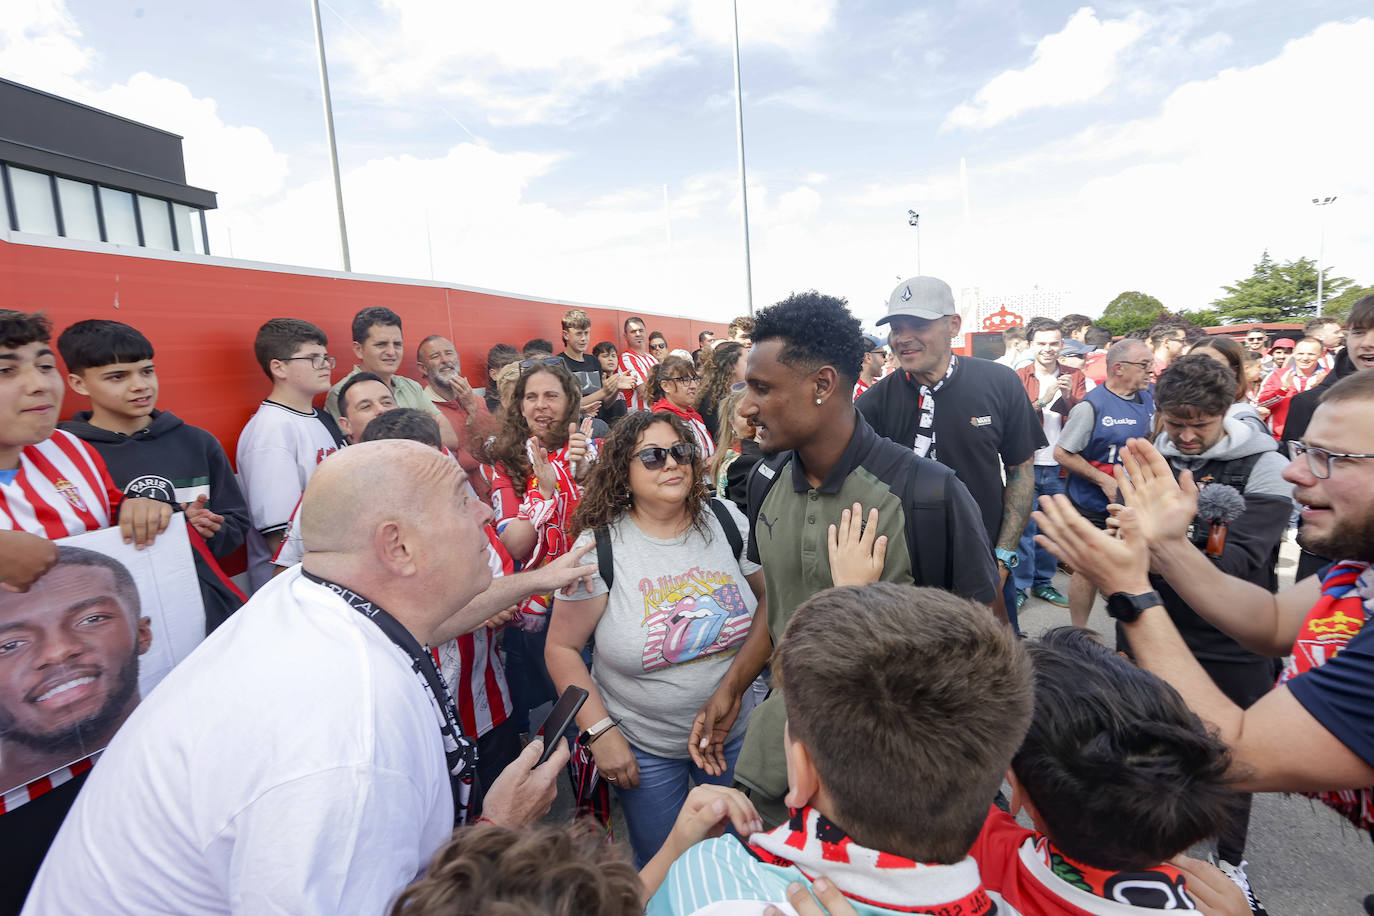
(171, 461)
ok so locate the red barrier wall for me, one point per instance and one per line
(202, 314)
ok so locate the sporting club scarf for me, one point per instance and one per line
(1336, 618)
(1158, 888)
(815, 846)
(925, 431)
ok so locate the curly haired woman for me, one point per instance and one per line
(722, 368)
(679, 606)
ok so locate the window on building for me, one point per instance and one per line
(78, 209)
(189, 236)
(33, 201)
(4, 206)
(118, 207)
(157, 222)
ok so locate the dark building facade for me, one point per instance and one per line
(74, 171)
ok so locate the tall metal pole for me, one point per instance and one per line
(1322, 202)
(329, 130)
(743, 189)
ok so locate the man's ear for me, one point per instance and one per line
(391, 550)
(956, 324)
(357, 351)
(278, 370)
(144, 639)
(803, 782)
(827, 381)
(77, 383)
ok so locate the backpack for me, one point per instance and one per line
(604, 559)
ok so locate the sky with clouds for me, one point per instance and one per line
(587, 151)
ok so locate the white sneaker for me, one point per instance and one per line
(1237, 874)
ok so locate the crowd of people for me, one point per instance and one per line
(785, 566)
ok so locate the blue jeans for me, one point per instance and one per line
(1037, 565)
(651, 809)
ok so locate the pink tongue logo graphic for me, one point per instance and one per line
(693, 624)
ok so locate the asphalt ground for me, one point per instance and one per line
(1304, 859)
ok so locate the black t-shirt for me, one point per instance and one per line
(587, 371)
(983, 420)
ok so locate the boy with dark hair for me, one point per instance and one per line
(149, 452)
(893, 750)
(536, 348)
(1119, 777)
(1075, 326)
(498, 358)
(287, 438)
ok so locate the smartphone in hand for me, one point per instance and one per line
(559, 718)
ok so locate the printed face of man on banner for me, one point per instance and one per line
(69, 658)
(87, 642)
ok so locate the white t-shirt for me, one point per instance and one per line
(1053, 421)
(291, 764)
(278, 451)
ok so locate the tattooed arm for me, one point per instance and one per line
(1018, 499)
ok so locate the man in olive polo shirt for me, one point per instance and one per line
(825, 458)
(379, 349)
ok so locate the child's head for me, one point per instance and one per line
(540, 870)
(904, 706)
(606, 354)
(112, 364)
(30, 385)
(288, 350)
(1118, 771)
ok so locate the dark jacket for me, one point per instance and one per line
(173, 462)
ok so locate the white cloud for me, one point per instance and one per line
(1076, 64)
(541, 61)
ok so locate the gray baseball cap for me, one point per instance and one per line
(925, 298)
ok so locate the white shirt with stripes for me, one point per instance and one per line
(638, 365)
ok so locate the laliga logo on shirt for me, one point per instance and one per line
(1118, 421)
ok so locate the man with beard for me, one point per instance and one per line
(1324, 703)
(69, 651)
(448, 390)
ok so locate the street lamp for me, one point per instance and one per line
(914, 219)
(1321, 246)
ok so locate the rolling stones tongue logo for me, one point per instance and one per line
(694, 626)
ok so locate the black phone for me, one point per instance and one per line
(559, 718)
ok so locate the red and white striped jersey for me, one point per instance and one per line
(62, 488)
(860, 387)
(638, 365)
(472, 667)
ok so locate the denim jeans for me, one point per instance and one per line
(1037, 565)
(651, 809)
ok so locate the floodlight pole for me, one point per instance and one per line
(1323, 203)
(743, 188)
(329, 131)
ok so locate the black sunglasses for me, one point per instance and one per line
(527, 364)
(655, 456)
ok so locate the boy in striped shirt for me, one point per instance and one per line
(52, 485)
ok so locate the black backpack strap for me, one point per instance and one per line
(604, 564)
(933, 553)
(727, 522)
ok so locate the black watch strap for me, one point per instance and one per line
(1127, 608)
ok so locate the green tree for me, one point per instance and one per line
(1202, 318)
(1130, 311)
(1278, 292)
(1340, 306)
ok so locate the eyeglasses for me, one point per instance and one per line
(658, 346)
(655, 456)
(1319, 459)
(1144, 364)
(540, 361)
(689, 379)
(318, 361)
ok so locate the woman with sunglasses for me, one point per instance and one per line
(534, 465)
(678, 607)
(672, 387)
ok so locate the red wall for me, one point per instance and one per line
(202, 317)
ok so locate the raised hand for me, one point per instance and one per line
(1114, 564)
(542, 467)
(856, 551)
(206, 523)
(1163, 507)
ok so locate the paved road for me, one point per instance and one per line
(1305, 860)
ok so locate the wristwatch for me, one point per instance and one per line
(1127, 608)
(597, 730)
(1008, 558)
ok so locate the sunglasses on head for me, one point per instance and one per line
(655, 456)
(527, 364)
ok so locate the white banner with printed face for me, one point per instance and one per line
(93, 636)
